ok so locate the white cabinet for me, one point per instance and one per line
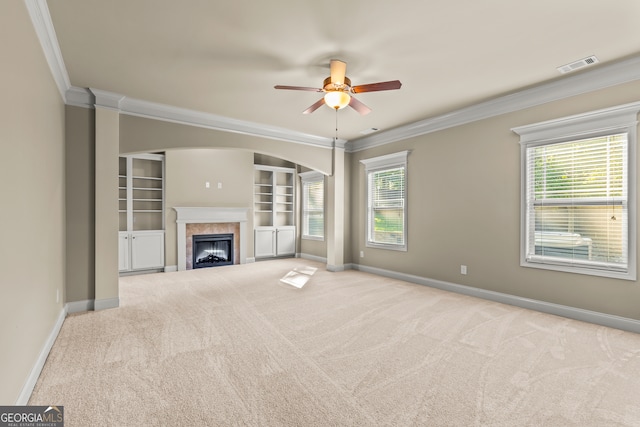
(141, 188)
(147, 250)
(265, 242)
(274, 211)
(285, 241)
(141, 250)
(274, 241)
(124, 253)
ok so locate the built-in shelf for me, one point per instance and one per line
(141, 212)
(274, 219)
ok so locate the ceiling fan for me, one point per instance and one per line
(338, 90)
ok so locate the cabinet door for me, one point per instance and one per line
(264, 242)
(147, 250)
(123, 252)
(286, 241)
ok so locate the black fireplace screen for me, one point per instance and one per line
(212, 250)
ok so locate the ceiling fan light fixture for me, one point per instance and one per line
(337, 88)
(337, 99)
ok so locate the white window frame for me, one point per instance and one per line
(615, 120)
(308, 178)
(379, 164)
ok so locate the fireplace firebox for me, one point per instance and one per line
(212, 250)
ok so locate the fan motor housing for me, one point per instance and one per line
(327, 85)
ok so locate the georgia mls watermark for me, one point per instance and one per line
(31, 416)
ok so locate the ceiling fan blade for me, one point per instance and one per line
(338, 71)
(374, 87)
(314, 107)
(359, 106)
(312, 89)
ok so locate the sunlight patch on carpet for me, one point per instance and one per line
(299, 276)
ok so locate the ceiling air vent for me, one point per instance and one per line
(574, 66)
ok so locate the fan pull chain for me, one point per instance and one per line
(335, 140)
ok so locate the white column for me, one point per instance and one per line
(107, 145)
(336, 210)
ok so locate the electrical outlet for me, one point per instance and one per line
(207, 184)
(361, 254)
(463, 269)
(219, 185)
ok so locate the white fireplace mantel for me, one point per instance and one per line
(206, 215)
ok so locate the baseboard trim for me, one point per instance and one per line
(589, 316)
(250, 260)
(27, 389)
(80, 306)
(170, 268)
(312, 258)
(103, 304)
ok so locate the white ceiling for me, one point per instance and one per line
(224, 57)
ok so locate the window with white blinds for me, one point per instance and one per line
(312, 206)
(386, 201)
(578, 208)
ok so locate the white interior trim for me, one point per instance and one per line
(141, 108)
(311, 176)
(386, 161)
(315, 258)
(106, 99)
(205, 215)
(597, 78)
(106, 303)
(30, 383)
(594, 317)
(580, 124)
(80, 306)
(621, 118)
(41, 19)
(381, 163)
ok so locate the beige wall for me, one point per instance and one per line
(316, 248)
(80, 200)
(32, 187)
(464, 208)
(186, 173)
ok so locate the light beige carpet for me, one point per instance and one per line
(234, 346)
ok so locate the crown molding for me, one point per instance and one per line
(312, 175)
(41, 19)
(388, 160)
(106, 99)
(89, 98)
(80, 97)
(585, 82)
(580, 125)
(152, 110)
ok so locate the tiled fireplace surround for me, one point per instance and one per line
(206, 220)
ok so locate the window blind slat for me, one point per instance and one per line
(387, 196)
(313, 208)
(577, 202)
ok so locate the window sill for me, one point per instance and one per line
(585, 270)
(316, 238)
(400, 248)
